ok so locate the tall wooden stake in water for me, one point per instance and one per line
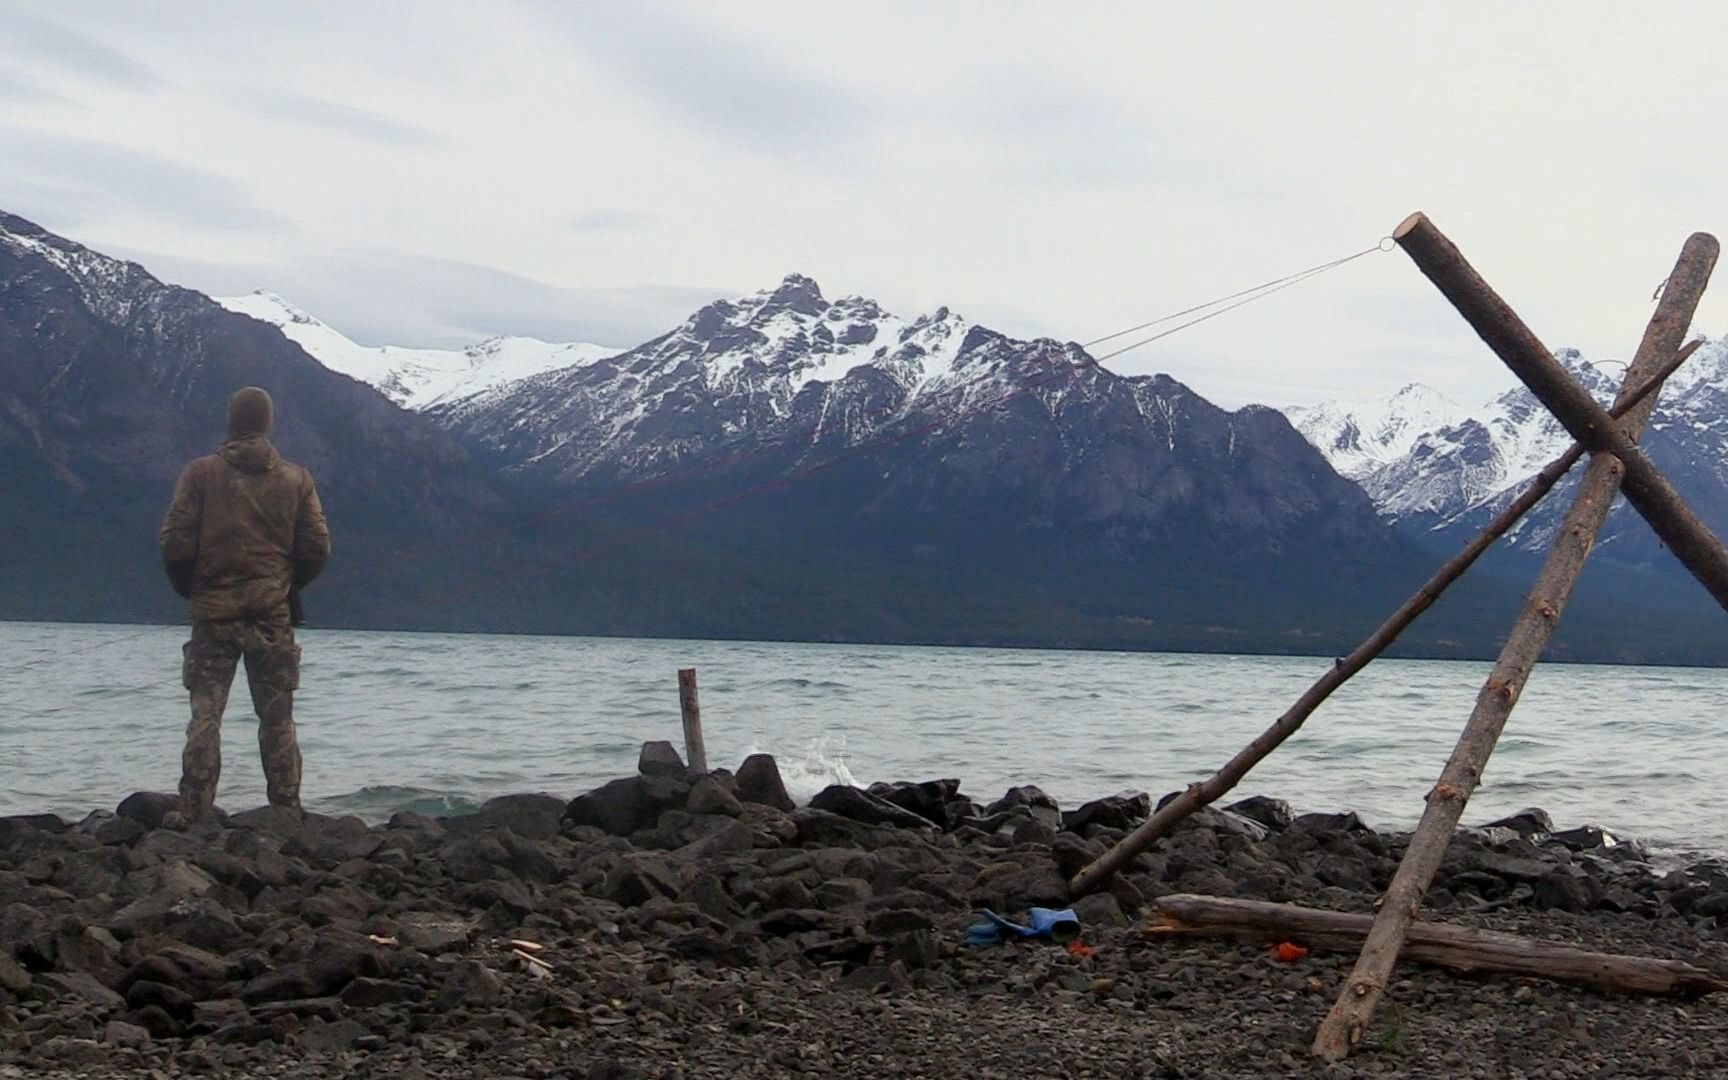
(695, 753)
(1361, 993)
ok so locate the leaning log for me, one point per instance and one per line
(1361, 993)
(1221, 782)
(1454, 947)
(1646, 489)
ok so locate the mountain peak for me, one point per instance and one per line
(795, 293)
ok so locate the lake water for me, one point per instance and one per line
(440, 722)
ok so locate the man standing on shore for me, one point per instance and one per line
(244, 534)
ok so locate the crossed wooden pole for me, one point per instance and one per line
(1617, 464)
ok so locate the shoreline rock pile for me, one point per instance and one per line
(676, 924)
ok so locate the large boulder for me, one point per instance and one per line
(759, 781)
(660, 759)
(1030, 799)
(533, 816)
(613, 807)
(861, 806)
(1123, 811)
(929, 800)
(147, 808)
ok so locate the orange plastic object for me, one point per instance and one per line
(1287, 952)
(1079, 948)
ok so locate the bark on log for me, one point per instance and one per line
(1344, 1025)
(690, 708)
(1646, 488)
(1221, 782)
(1454, 947)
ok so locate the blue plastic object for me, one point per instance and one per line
(1057, 925)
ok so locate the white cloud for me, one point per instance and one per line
(1070, 169)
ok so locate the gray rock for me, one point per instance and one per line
(759, 781)
(1274, 814)
(1123, 811)
(470, 985)
(613, 807)
(533, 816)
(147, 808)
(432, 933)
(1100, 911)
(709, 796)
(861, 806)
(124, 1035)
(660, 758)
(1531, 822)
(82, 987)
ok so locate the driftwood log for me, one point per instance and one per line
(1221, 782)
(1646, 489)
(1361, 993)
(1454, 947)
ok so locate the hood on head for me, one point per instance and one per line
(250, 413)
(253, 454)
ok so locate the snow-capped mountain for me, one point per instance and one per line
(1358, 439)
(416, 378)
(1454, 475)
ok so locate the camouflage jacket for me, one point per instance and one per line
(244, 528)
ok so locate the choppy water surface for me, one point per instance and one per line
(440, 721)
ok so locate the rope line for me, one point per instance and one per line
(1218, 306)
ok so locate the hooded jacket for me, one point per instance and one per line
(245, 525)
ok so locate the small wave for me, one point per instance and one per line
(382, 800)
(823, 765)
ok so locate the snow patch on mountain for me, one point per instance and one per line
(1358, 439)
(417, 378)
(1452, 469)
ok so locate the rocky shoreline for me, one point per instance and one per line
(675, 925)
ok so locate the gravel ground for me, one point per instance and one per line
(687, 930)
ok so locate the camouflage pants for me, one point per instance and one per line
(272, 673)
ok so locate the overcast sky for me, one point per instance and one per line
(421, 173)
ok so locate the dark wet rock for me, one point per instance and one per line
(759, 781)
(861, 806)
(126, 1036)
(1100, 911)
(470, 985)
(842, 892)
(1274, 814)
(88, 948)
(1014, 886)
(27, 935)
(1585, 838)
(1030, 798)
(821, 828)
(196, 971)
(1326, 826)
(929, 799)
(1073, 854)
(888, 922)
(82, 987)
(13, 978)
(171, 1000)
(640, 879)
(535, 817)
(279, 821)
(147, 808)
(331, 1036)
(709, 795)
(1123, 811)
(795, 921)
(1531, 822)
(159, 1022)
(369, 993)
(660, 758)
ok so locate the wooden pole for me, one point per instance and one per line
(1454, 947)
(1360, 995)
(695, 753)
(1646, 489)
(1221, 782)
